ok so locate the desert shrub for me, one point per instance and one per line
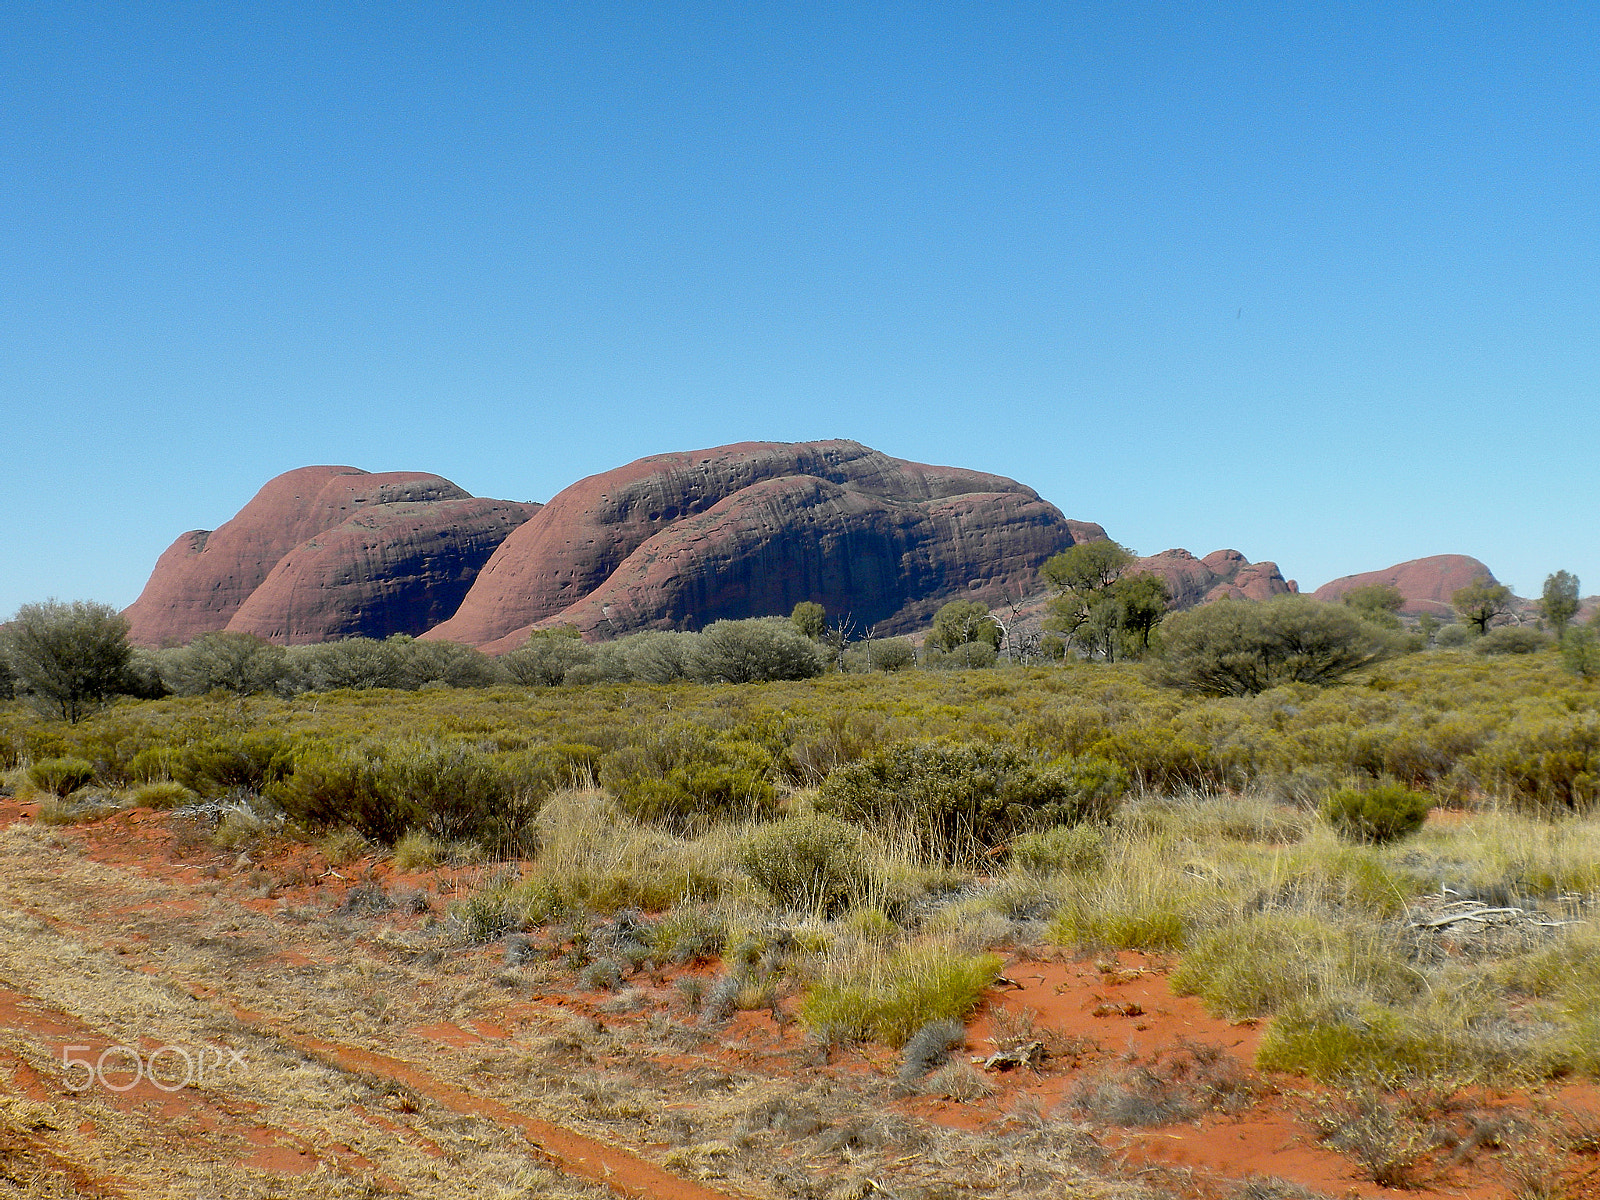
(419, 850)
(1548, 763)
(814, 862)
(235, 662)
(455, 791)
(1075, 848)
(662, 656)
(1240, 648)
(357, 663)
(486, 915)
(1158, 758)
(334, 784)
(449, 663)
(1512, 639)
(888, 999)
(1271, 961)
(686, 775)
(1580, 652)
(250, 760)
(967, 656)
(1337, 1038)
(880, 654)
(1382, 813)
(60, 776)
(1454, 637)
(546, 657)
(961, 798)
(754, 651)
(166, 794)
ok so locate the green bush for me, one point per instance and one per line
(687, 775)
(60, 776)
(1242, 647)
(754, 651)
(1512, 639)
(1075, 848)
(1548, 763)
(889, 1000)
(960, 799)
(165, 794)
(812, 862)
(1382, 813)
(333, 785)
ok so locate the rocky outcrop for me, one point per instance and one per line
(679, 540)
(1220, 574)
(397, 568)
(1426, 583)
(204, 579)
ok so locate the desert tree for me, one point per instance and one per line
(68, 659)
(1481, 601)
(1379, 603)
(1242, 647)
(811, 619)
(1559, 603)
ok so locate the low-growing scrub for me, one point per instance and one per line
(865, 995)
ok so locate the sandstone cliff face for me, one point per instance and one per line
(396, 568)
(1426, 583)
(679, 540)
(204, 578)
(1220, 574)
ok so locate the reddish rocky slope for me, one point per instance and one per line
(410, 522)
(678, 540)
(1426, 583)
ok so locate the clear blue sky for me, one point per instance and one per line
(1316, 282)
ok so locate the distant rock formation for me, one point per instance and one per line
(325, 552)
(1220, 574)
(680, 540)
(1426, 583)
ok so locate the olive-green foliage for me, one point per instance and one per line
(968, 656)
(962, 621)
(961, 798)
(1559, 602)
(1344, 1038)
(241, 759)
(1379, 603)
(358, 663)
(235, 662)
(754, 651)
(60, 776)
(162, 794)
(546, 657)
(448, 663)
(1580, 652)
(1384, 812)
(1268, 962)
(1454, 636)
(808, 862)
(1075, 848)
(1242, 647)
(880, 654)
(888, 1000)
(810, 618)
(1481, 602)
(67, 659)
(685, 775)
(1512, 639)
(384, 790)
(1549, 762)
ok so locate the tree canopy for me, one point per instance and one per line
(67, 658)
(1481, 601)
(1559, 604)
(1242, 647)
